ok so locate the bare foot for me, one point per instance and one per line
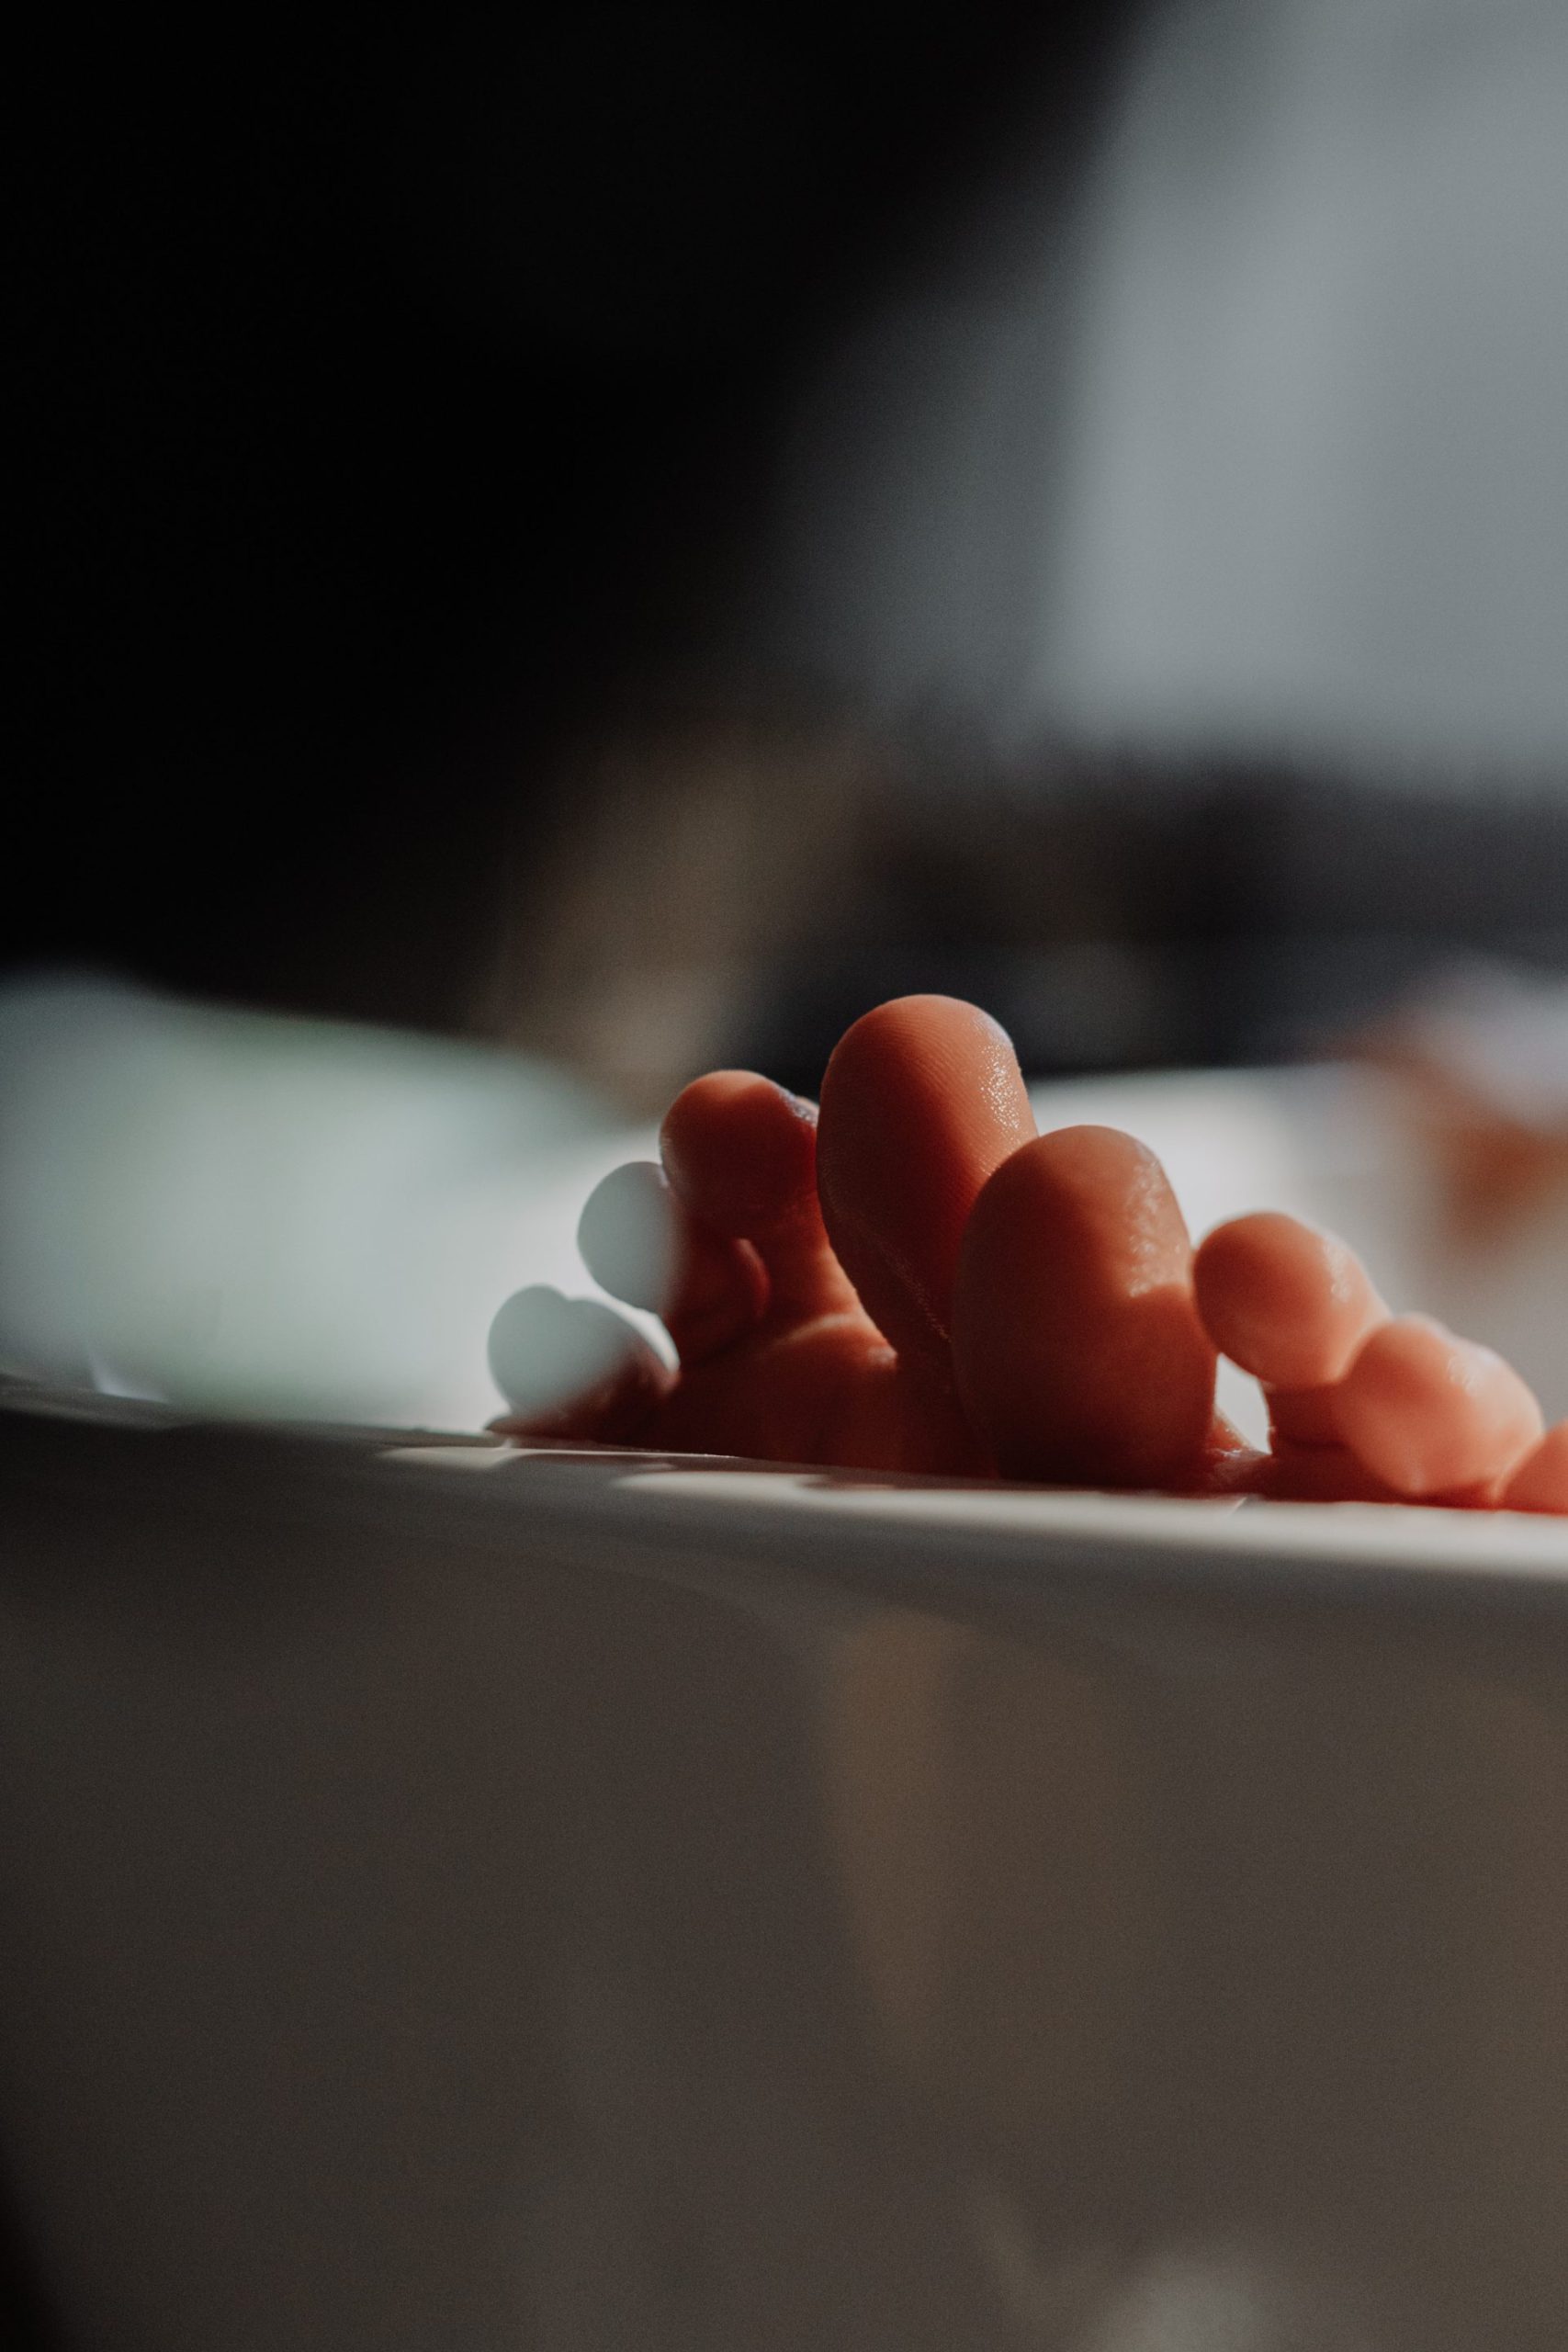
(913, 1279)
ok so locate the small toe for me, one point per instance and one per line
(1285, 1301)
(741, 1153)
(1433, 1415)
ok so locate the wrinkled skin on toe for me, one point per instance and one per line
(911, 1279)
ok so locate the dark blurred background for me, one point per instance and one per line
(553, 524)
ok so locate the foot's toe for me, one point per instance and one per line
(1291, 1305)
(739, 1151)
(1432, 1414)
(922, 1100)
(1285, 1301)
(740, 1154)
(1077, 1340)
(1540, 1482)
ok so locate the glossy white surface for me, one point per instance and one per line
(465, 1900)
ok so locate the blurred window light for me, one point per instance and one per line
(1260, 442)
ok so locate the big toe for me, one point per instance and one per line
(1076, 1342)
(923, 1100)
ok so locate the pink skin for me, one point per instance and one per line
(1283, 1301)
(918, 1282)
(1540, 1482)
(1084, 1361)
(1291, 1305)
(1431, 1414)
